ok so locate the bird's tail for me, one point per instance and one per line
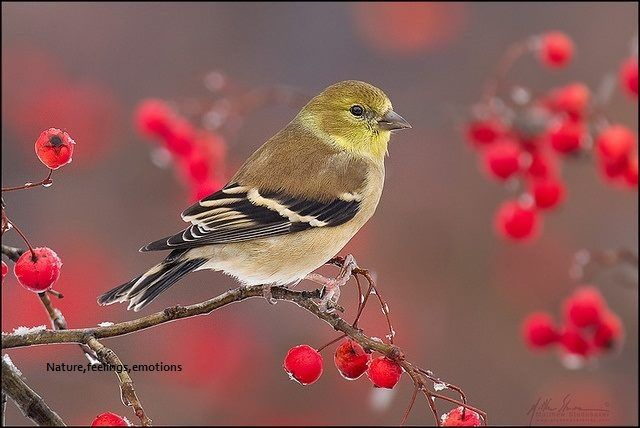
(141, 290)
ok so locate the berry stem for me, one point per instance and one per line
(55, 293)
(24, 238)
(411, 402)
(332, 342)
(509, 58)
(42, 182)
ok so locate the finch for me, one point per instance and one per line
(292, 206)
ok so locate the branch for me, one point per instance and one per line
(127, 392)
(305, 299)
(12, 252)
(27, 400)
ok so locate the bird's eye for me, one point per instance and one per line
(357, 110)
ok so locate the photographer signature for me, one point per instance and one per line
(561, 409)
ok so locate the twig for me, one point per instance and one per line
(127, 392)
(4, 408)
(27, 400)
(12, 252)
(57, 319)
(588, 264)
(44, 182)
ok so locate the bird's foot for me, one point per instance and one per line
(331, 286)
(266, 293)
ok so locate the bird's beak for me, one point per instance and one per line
(392, 120)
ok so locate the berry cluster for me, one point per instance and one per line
(305, 365)
(523, 140)
(590, 328)
(199, 155)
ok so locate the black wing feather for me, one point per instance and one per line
(230, 215)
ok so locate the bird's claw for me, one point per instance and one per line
(266, 293)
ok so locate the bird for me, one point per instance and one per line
(291, 207)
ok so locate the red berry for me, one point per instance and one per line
(572, 99)
(483, 132)
(54, 148)
(539, 331)
(351, 359)
(384, 373)
(204, 189)
(556, 49)
(181, 138)
(40, 274)
(574, 342)
(615, 143)
(502, 159)
(455, 419)
(515, 221)
(542, 165)
(584, 307)
(567, 136)
(109, 419)
(548, 192)
(631, 173)
(5, 269)
(154, 118)
(609, 331)
(612, 170)
(197, 167)
(629, 76)
(304, 364)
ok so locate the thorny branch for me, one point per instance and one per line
(305, 299)
(27, 400)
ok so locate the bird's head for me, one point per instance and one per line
(356, 116)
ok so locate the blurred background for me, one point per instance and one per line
(457, 292)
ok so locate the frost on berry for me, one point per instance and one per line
(539, 330)
(501, 160)
(455, 418)
(515, 221)
(384, 373)
(556, 49)
(54, 148)
(351, 360)
(304, 364)
(548, 193)
(109, 419)
(584, 307)
(38, 273)
(629, 76)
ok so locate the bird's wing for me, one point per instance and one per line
(241, 213)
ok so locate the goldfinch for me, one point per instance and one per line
(292, 206)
